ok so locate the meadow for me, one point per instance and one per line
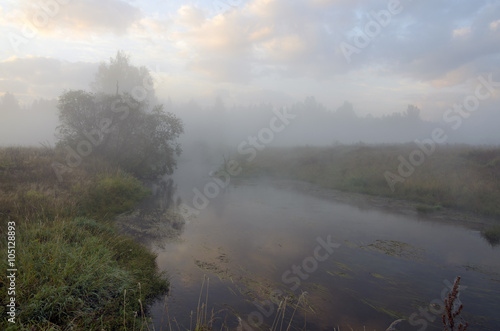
(75, 271)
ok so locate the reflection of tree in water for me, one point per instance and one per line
(162, 195)
(492, 236)
(154, 221)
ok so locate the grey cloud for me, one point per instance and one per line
(278, 37)
(420, 41)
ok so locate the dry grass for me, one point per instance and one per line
(455, 176)
(451, 318)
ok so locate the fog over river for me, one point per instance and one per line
(345, 260)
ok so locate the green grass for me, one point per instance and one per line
(461, 177)
(111, 195)
(426, 209)
(74, 270)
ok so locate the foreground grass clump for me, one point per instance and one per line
(454, 176)
(74, 270)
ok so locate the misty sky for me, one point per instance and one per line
(427, 53)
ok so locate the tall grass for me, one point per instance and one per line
(492, 235)
(454, 176)
(73, 267)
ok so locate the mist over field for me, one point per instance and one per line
(349, 71)
(246, 164)
(224, 126)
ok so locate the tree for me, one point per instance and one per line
(131, 133)
(346, 111)
(9, 103)
(119, 76)
(412, 113)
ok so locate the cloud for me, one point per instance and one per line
(462, 32)
(262, 37)
(77, 17)
(295, 39)
(431, 41)
(191, 16)
(495, 25)
(44, 77)
(291, 45)
(427, 41)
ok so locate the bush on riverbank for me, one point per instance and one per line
(492, 235)
(73, 268)
(454, 176)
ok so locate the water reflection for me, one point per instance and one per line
(154, 222)
(391, 263)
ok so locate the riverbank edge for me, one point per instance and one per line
(74, 269)
(365, 201)
(457, 182)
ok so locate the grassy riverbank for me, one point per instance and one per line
(73, 269)
(465, 178)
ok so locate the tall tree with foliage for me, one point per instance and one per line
(132, 133)
(120, 76)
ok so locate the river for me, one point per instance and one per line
(333, 263)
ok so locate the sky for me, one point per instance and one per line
(378, 55)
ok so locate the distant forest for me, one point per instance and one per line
(224, 126)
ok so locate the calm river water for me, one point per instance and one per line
(338, 264)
